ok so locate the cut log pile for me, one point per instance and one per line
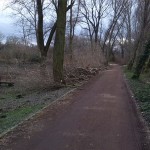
(77, 75)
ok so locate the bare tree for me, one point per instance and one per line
(128, 25)
(93, 12)
(33, 16)
(38, 18)
(118, 8)
(13, 40)
(73, 20)
(125, 33)
(143, 25)
(40, 32)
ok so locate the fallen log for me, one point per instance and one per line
(10, 84)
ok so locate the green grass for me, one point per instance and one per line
(141, 90)
(12, 118)
(13, 110)
(6, 97)
(9, 94)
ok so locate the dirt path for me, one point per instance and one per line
(100, 117)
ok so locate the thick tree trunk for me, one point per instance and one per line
(143, 34)
(71, 49)
(142, 60)
(111, 56)
(71, 35)
(147, 68)
(43, 57)
(58, 52)
(122, 51)
(40, 35)
(96, 35)
(40, 39)
(133, 58)
(43, 71)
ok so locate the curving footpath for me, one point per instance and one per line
(100, 116)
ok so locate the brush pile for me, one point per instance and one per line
(78, 75)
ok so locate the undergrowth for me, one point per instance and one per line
(141, 90)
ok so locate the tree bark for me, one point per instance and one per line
(71, 35)
(40, 39)
(132, 60)
(142, 60)
(59, 44)
(147, 68)
(143, 34)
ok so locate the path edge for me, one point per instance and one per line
(31, 116)
(145, 128)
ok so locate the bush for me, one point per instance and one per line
(35, 58)
(19, 54)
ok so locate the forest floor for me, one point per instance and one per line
(100, 115)
(30, 93)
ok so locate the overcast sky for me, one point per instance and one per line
(6, 22)
(7, 26)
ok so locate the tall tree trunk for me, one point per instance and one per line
(40, 39)
(40, 35)
(71, 35)
(96, 40)
(143, 34)
(134, 55)
(96, 34)
(59, 44)
(142, 60)
(70, 49)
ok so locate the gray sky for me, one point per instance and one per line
(7, 26)
(6, 22)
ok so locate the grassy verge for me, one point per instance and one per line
(141, 90)
(16, 106)
(12, 118)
